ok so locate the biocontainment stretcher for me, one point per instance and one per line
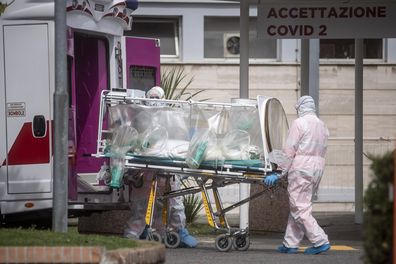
(215, 144)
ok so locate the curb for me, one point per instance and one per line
(51, 254)
(151, 255)
(143, 255)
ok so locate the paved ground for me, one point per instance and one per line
(345, 237)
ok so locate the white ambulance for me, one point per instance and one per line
(99, 58)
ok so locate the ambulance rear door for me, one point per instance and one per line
(28, 60)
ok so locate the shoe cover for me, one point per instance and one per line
(187, 240)
(317, 250)
(283, 249)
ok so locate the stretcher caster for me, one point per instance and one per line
(154, 236)
(172, 239)
(223, 243)
(241, 242)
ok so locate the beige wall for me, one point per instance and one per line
(221, 83)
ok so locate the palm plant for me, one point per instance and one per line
(192, 203)
(192, 206)
(175, 84)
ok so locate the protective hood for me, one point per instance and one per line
(155, 92)
(305, 104)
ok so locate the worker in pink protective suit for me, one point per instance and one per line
(303, 161)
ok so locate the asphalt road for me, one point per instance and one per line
(345, 237)
(263, 250)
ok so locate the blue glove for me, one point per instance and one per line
(271, 179)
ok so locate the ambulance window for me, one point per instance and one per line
(141, 78)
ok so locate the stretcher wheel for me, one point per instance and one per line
(154, 236)
(172, 239)
(223, 243)
(241, 242)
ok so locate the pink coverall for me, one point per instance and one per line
(306, 148)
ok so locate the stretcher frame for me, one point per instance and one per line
(206, 178)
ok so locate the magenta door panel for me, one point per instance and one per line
(91, 77)
(143, 55)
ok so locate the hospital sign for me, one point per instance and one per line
(364, 20)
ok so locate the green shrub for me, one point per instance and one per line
(378, 217)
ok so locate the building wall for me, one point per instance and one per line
(221, 83)
(191, 15)
(280, 78)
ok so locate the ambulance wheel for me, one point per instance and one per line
(241, 242)
(154, 236)
(223, 243)
(172, 239)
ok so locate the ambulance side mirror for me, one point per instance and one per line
(39, 126)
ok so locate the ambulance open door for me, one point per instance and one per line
(141, 64)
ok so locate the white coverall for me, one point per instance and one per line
(305, 150)
(139, 200)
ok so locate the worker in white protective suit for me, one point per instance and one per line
(302, 159)
(139, 196)
(136, 225)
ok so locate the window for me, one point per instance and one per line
(142, 78)
(221, 39)
(166, 30)
(345, 48)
